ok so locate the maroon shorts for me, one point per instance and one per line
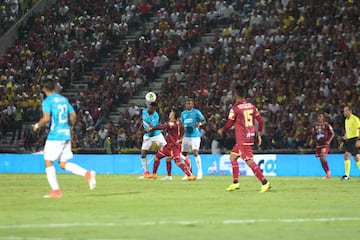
(243, 151)
(169, 151)
(322, 151)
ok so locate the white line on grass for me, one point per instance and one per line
(184, 223)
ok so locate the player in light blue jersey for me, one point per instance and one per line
(192, 120)
(57, 108)
(150, 118)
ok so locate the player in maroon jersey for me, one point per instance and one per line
(243, 115)
(172, 149)
(323, 134)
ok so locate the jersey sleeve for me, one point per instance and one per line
(70, 107)
(200, 116)
(231, 119)
(182, 117)
(46, 106)
(164, 126)
(259, 119)
(155, 120)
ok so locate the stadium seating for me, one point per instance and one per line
(295, 59)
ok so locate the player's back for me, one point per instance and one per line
(59, 108)
(244, 116)
(175, 133)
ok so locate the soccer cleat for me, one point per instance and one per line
(90, 178)
(185, 178)
(233, 187)
(191, 178)
(166, 178)
(265, 187)
(146, 173)
(345, 178)
(151, 176)
(54, 194)
(327, 175)
(199, 176)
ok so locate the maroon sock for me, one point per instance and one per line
(325, 165)
(168, 168)
(235, 171)
(185, 169)
(156, 166)
(257, 171)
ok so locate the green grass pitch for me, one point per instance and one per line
(124, 207)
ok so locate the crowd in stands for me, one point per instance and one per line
(295, 57)
(11, 11)
(61, 43)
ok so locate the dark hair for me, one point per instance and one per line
(153, 104)
(240, 90)
(176, 111)
(49, 84)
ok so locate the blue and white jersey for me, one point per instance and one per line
(59, 109)
(150, 120)
(189, 119)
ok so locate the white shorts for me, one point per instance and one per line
(148, 141)
(58, 150)
(189, 144)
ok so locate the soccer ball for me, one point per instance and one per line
(150, 97)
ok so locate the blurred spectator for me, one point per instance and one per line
(133, 110)
(103, 134)
(88, 120)
(28, 139)
(18, 123)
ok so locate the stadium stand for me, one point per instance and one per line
(295, 57)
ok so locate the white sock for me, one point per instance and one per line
(51, 177)
(198, 164)
(75, 169)
(182, 157)
(144, 164)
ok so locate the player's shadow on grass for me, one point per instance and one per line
(110, 194)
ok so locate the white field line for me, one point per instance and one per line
(179, 222)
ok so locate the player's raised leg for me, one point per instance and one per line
(185, 169)
(259, 175)
(185, 157)
(74, 168)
